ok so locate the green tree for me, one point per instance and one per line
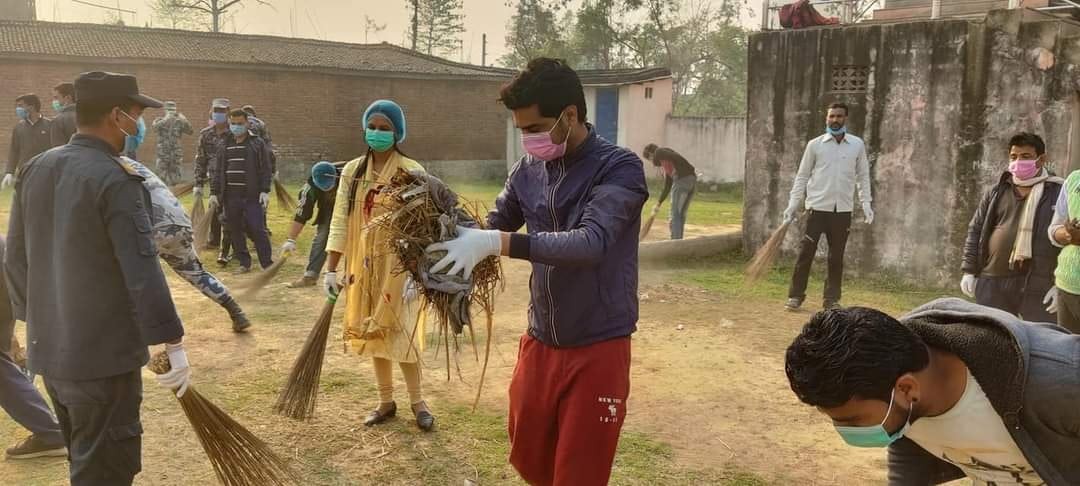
(437, 26)
(166, 13)
(536, 30)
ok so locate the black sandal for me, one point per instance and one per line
(376, 417)
(424, 419)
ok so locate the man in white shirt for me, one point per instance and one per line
(832, 168)
(954, 389)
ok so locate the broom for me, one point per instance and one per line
(766, 255)
(198, 211)
(283, 197)
(182, 189)
(263, 279)
(238, 457)
(645, 227)
(201, 225)
(297, 398)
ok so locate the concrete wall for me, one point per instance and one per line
(943, 97)
(642, 120)
(716, 146)
(312, 116)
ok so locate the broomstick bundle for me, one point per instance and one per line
(182, 189)
(297, 398)
(283, 197)
(238, 457)
(766, 255)
(422, 210)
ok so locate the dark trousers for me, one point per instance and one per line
(317, 257)
(100, 423)
(215, 225)
(1068, 314)
(245, 216)
(24, 404)
(835, 228)
(1015, 296)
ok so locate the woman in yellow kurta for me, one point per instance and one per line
(382, 316)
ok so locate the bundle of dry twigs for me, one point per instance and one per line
(238, 457)
(182, 189)
(766, 255)
(200, 222)
(423, 210)
(283, 197)
(297, 398)
(253, 287)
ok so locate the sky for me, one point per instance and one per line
(335, 20)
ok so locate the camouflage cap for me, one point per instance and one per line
(220, 103)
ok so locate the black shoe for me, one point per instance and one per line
(830, 305)
(376, 417)
(240, 322)
(34, 446)
(424, 419)
(793, 304)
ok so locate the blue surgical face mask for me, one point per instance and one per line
(132, 142)
(874, 435)
(219, 118)
(837, 131)
(379, 140)
(57, 105)
(22, 113)
(238, 129)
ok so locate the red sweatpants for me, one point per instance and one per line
(566, 410)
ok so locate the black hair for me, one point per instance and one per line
(852, 353)
(649, 152)
(65, 89)
(1026, 139)
(30, 99)
(90, 113)
(550, 84)
(840, 106)
(238, 113)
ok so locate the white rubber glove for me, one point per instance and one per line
(213, 201)
(470, 248)
(264, 199)
(868, 213)
(197, 191)
(179, 377)
(967, 285)
(1051, 300)
(7, 182)
(331, 284)
(289, 246)
(791, 214)
(410, 292)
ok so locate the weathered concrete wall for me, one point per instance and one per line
(716, 146)
(942, 99)
(641, 119)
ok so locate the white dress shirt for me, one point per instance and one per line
(829, 174)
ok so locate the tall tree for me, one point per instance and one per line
(168, 14)
(437, 26)
(214, 9)
(536, 30)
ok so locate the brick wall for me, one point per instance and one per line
(312, 116)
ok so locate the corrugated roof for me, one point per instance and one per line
(51, 39)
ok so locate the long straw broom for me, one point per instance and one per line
(297, 398)
(263, 279)
(198, 211)
(766, 255)
(201, 225)
(647, 225)
(238, 457)
(283, 198)
(182, 189)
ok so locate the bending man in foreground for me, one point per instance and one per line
(580, 197)
(953, 389)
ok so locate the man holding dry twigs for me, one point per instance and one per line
(88, 284)
(580, 197)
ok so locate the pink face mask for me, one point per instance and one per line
(539, 145)
(1024, 169)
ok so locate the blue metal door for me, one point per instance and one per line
(607, 113)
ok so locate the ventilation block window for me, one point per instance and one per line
(850, 79)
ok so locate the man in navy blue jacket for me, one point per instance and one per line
(580, 197)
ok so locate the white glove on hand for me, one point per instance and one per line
(1051, 300)
(289, 246)
(331, 284)
(470, 248)
(213, 201)
(7, 182)
(264, 199)
(791, 214)
(967, 285)
(179, 377)
(868, 213)
(197, 191)
(411, 291)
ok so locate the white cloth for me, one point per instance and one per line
(973, 437)
(830, 173)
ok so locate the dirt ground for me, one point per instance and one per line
(714, 390)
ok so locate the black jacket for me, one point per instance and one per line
(1040, 271)
(259, 170)
(82, 267)
(311, 197)
(63, 126)
(7, 319)
(1031, 375)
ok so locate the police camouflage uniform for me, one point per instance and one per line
(170, 154)
(210, 142)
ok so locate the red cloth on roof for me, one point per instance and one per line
(802, 14)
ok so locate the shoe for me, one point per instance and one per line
(34, 446)
(304, 281)
(240, 323)
(242, 271)
(376, 417)
(793, 304)
(830, 305)
(213, 246)
(424, 419)
(223, 259)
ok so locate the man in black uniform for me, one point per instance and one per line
(63, 125)
(211, 140)
(30, 137)
(320, 190)
(89, 285)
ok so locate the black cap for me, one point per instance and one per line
(99, 85)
